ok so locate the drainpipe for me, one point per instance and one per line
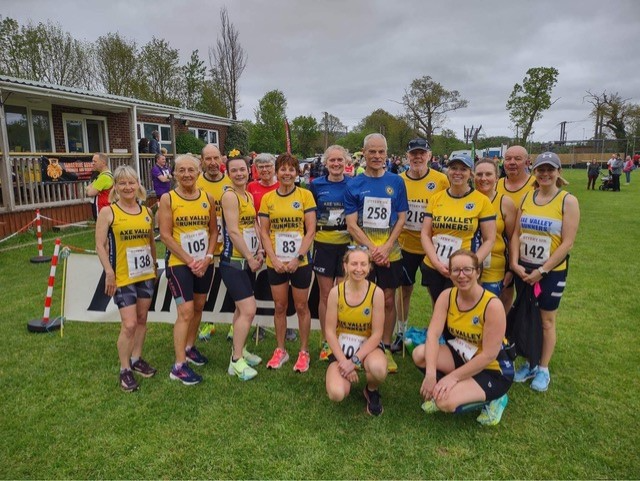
(134, 140)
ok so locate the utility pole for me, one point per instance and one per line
(326, 130)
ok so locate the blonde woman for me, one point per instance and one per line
(127, 252)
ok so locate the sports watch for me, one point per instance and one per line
(300, 257)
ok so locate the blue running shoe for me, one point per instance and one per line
(492, 413)
(195, 357)
(541, 380)
(525, 373)
(184, 374)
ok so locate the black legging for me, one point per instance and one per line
(616, 182)
(592, 182)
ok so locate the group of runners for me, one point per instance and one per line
(365, 238)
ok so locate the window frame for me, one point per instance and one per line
(194, 131)
(32, 138)
(85, 138)
(166, 143)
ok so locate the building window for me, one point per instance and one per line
(206, 135)
(28, 130)
(85, 134)
(164, 131)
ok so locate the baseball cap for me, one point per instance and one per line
(464, 158)
(418, 144)
(549, 158)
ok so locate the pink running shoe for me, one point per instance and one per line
(302, 364)
(280, 356)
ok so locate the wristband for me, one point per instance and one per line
(542, 272)
(210, 256)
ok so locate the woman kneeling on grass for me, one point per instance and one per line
(127, 252)
(472, 367)
(353, 327)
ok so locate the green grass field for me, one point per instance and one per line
(64, 416)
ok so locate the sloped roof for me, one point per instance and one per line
(72, 93)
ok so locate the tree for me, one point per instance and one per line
(237, 138)
(332, 128)
(117, 66)
(528, 101)
(193, 81)
(227, 61)
(211, 101)
(305, 135)
(447, 142)
(160, 69)
(427, 102)
(268, 133)
(610, 111)
(44, 52)
(395, 128)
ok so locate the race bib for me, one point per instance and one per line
(415, 215)
(463, 348)
(195, 243)
(535, 249)
(350, 343)
(288, 245)
(139, 261)
(336, 217)
(487, 261)
(219, 223)
(376, 212)
(445, 246)
(251, 239)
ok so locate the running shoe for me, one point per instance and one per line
(492, 413)
(291, 335)
(541, 380)
(241, 369)
(252, 359)
(230, 333)
(128, 383)
(206, 331)
(392, 367)
(396, 345)
(280, 356)
(325, 352)
(258, 334)
(143, 368)
(302, 364)
(184, 374)
(195, 357)
(430, 407)
(374, 404)
(525, 373)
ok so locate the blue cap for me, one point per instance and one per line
(418, 144)
(464, 158)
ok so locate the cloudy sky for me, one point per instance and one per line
(351, 57)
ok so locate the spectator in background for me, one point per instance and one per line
(593, 171)
(154, 143)
(99, 189)
(616, 171)
(266, 180)
(161, 176)
(628, 167)
(143, 146)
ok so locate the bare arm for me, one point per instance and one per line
(377, 325)
(488, 231)
(429, 249)
(357, 234)
(105, 218)
(307, 240)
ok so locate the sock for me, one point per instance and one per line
(178, 365)
(123, 370)
(234, 359)
(188, 348)
(134, 360)
(543, 369)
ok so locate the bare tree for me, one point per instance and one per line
(227, 61)
(427, 103)
(610, 110)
